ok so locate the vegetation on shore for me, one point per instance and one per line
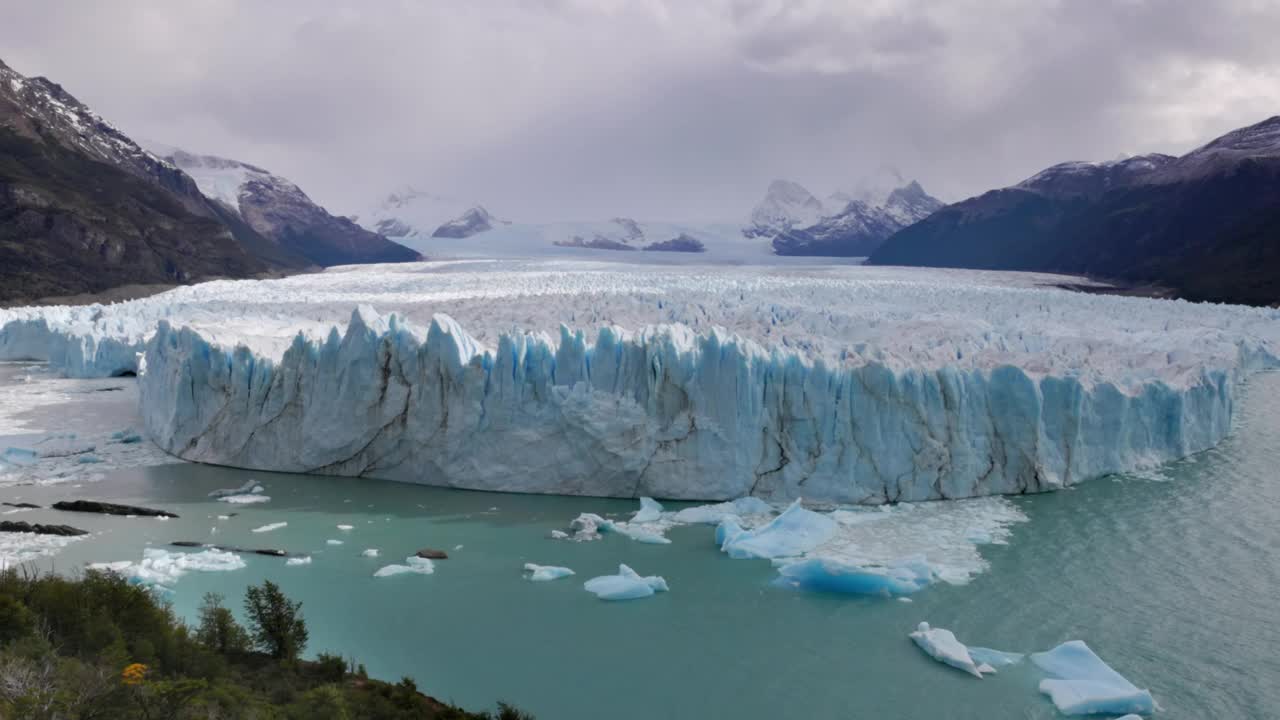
(99, 648)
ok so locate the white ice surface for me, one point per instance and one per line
(162, 567)
(270, 526)
(942, 645)
(19, 548)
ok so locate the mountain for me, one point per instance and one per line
(83, 208)
(847, 225)
(409, 214)
(279, 210)
(1205, 225)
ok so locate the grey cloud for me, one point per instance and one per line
(591, 108)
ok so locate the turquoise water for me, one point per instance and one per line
(1174, 582)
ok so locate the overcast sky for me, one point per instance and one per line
(581, 109)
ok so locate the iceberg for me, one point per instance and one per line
(650, 511)
(545, 573)
(414, 565)
(246, 489)
(714, 514)
(251, 499)
(370, 552)
(626, 585)
(306, 560)
(162, 568)
(835, 576)
(1080, 683)
(942, 645)
(794, 532)
(270, 526)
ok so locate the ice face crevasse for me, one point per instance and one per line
(664, 412)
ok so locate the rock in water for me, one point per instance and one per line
(105, 508)
(22, 527)
(431, 554)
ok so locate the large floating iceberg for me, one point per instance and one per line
(850, 385)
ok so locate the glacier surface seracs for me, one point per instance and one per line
(847, 385)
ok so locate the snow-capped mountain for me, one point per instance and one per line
(279, 210)
(1201, 226)
(84, 208)
(410, 214)
(848, 224)
(786, 206)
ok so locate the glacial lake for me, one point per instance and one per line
(1172, 578)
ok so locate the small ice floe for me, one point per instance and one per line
(457, 547)
(305, 560)
(244, 489)
(626, 585)
(942, 645)
(820, 574)
(126, 436)
(650, 511)
(88, 459)
(545, 573)
(346, 528)
(224, 517)
(559, 535)
(161, 567)
(713, 514)
(1080, 683)
(589, 526)
(794, 532)
(249, 499)
(370, 552)
(413, 565)
(270, 526)
(331, 541)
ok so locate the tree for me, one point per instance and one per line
(275, 622)
(218, 629)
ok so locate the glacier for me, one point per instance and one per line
(843, 384)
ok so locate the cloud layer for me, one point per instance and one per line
(558, 109)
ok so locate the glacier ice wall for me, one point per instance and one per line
(81, 352)
(664, 412)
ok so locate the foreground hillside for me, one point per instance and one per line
(1205, 225)
(99, 647)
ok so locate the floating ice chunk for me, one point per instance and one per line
(903, 577)
(63, 445)
(626, 585)
(224, 517)
(298, 561)
(794, 532)
(713, 514)
(244, 489)
(650, 511)
(346, 528)
(257, 489)
(544, 573)
(640, 534)
(270, 526)
(333, 542)
(88, 458)
(942, 645)
(244, 499)
(371, 552)
(994, 658)
(559, 535)
(161, 567)
(127, 436)
(1081, 683)
(21, 457)
(589, 526)
(730, 528)
(413, 564)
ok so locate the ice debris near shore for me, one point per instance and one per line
(626, 585)
(794, 532)
(414, 565)
(820, 574)
(163, 568)
(249, 488)
(545, 573)
(252, 499)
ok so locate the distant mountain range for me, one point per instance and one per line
(409, 214)
(1204, 226)
(797, 223)
(84, 208)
